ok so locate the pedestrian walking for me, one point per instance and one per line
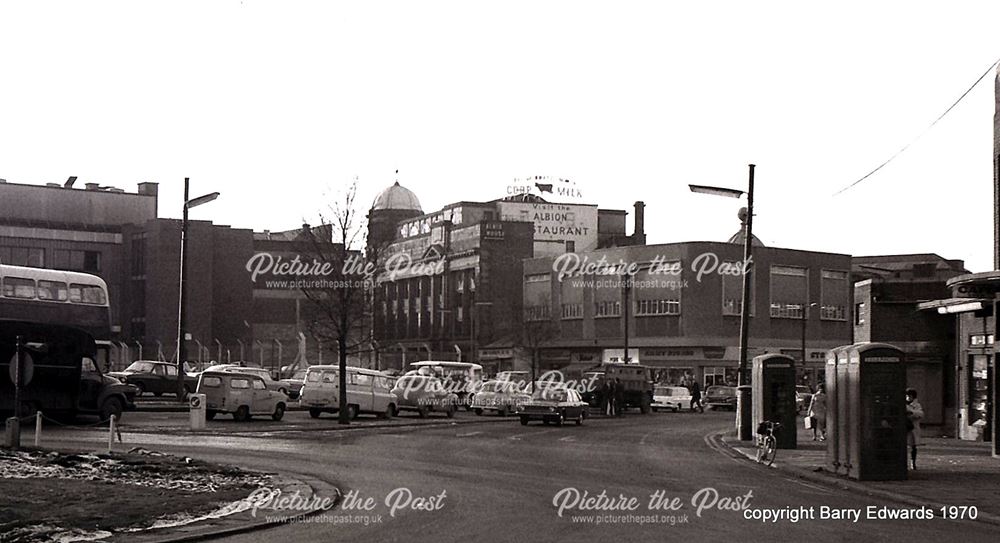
(609, 397)
(696, 396)
(817, 410)
(619, 398)
(914, 412)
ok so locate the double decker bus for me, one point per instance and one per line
(43, 296)
(64, 320)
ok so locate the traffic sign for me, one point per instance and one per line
(27, 368)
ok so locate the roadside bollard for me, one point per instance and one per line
(38, 428)
(196, 404)
(111, 434)
(12, 435)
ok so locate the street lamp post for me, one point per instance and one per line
(805, 319)
(744, 420)
(181, 320)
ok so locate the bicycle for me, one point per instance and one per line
(767, 445)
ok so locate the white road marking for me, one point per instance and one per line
(567, 439)
(468, 434)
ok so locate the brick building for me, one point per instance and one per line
(117, 236)
(889, 291)
(459, 295)
(682, 309)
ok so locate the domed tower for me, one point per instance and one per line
(394, 204)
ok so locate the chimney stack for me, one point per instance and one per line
(639, 235)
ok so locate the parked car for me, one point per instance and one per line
(241, 394)
(673, 398)
(803, 395)
(504, 397)
(720, 397)
(424, 394)
(554, 406)
(293, 384)
(264, 374)
(368, 391)
(154, 377)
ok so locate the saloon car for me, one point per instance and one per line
(504, 397)
(554, 406)
(720, 397)
(672, 398)
(154, 377)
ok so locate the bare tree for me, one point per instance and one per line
(341, 305)
(534, 331)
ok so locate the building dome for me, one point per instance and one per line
(397, 197)
(738, 238)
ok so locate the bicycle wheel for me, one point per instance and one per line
(768, 451)
(760, 449)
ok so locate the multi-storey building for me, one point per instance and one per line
(117, 236)
(679, 309)
(450, 281)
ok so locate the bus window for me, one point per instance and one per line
(52, 290)
(87, 294)
(18, 287)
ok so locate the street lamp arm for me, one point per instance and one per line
(716, 191)
(195, 202)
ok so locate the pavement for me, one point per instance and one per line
(950, 472)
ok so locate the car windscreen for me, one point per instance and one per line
(140, 367)
(721, 391)
(549, 394)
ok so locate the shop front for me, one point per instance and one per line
(973, 302)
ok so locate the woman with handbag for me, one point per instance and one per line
(817, 413)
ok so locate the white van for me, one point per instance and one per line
(368, 391)
(460, 378)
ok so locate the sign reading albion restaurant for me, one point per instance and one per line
(555, 224)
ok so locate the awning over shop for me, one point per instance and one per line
(955, 305)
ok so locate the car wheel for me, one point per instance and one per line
(390, 411)
(422, 411)
(546, 421)
(524, 421)
(315, 413)
(157, 394)
(676, 409)
(451, 411)
(502, 411)
(279, 411)
(209, 415)
(352, 412)
(242, 414)
(111, 406)
(479, 412)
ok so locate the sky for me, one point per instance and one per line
(279, 105)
